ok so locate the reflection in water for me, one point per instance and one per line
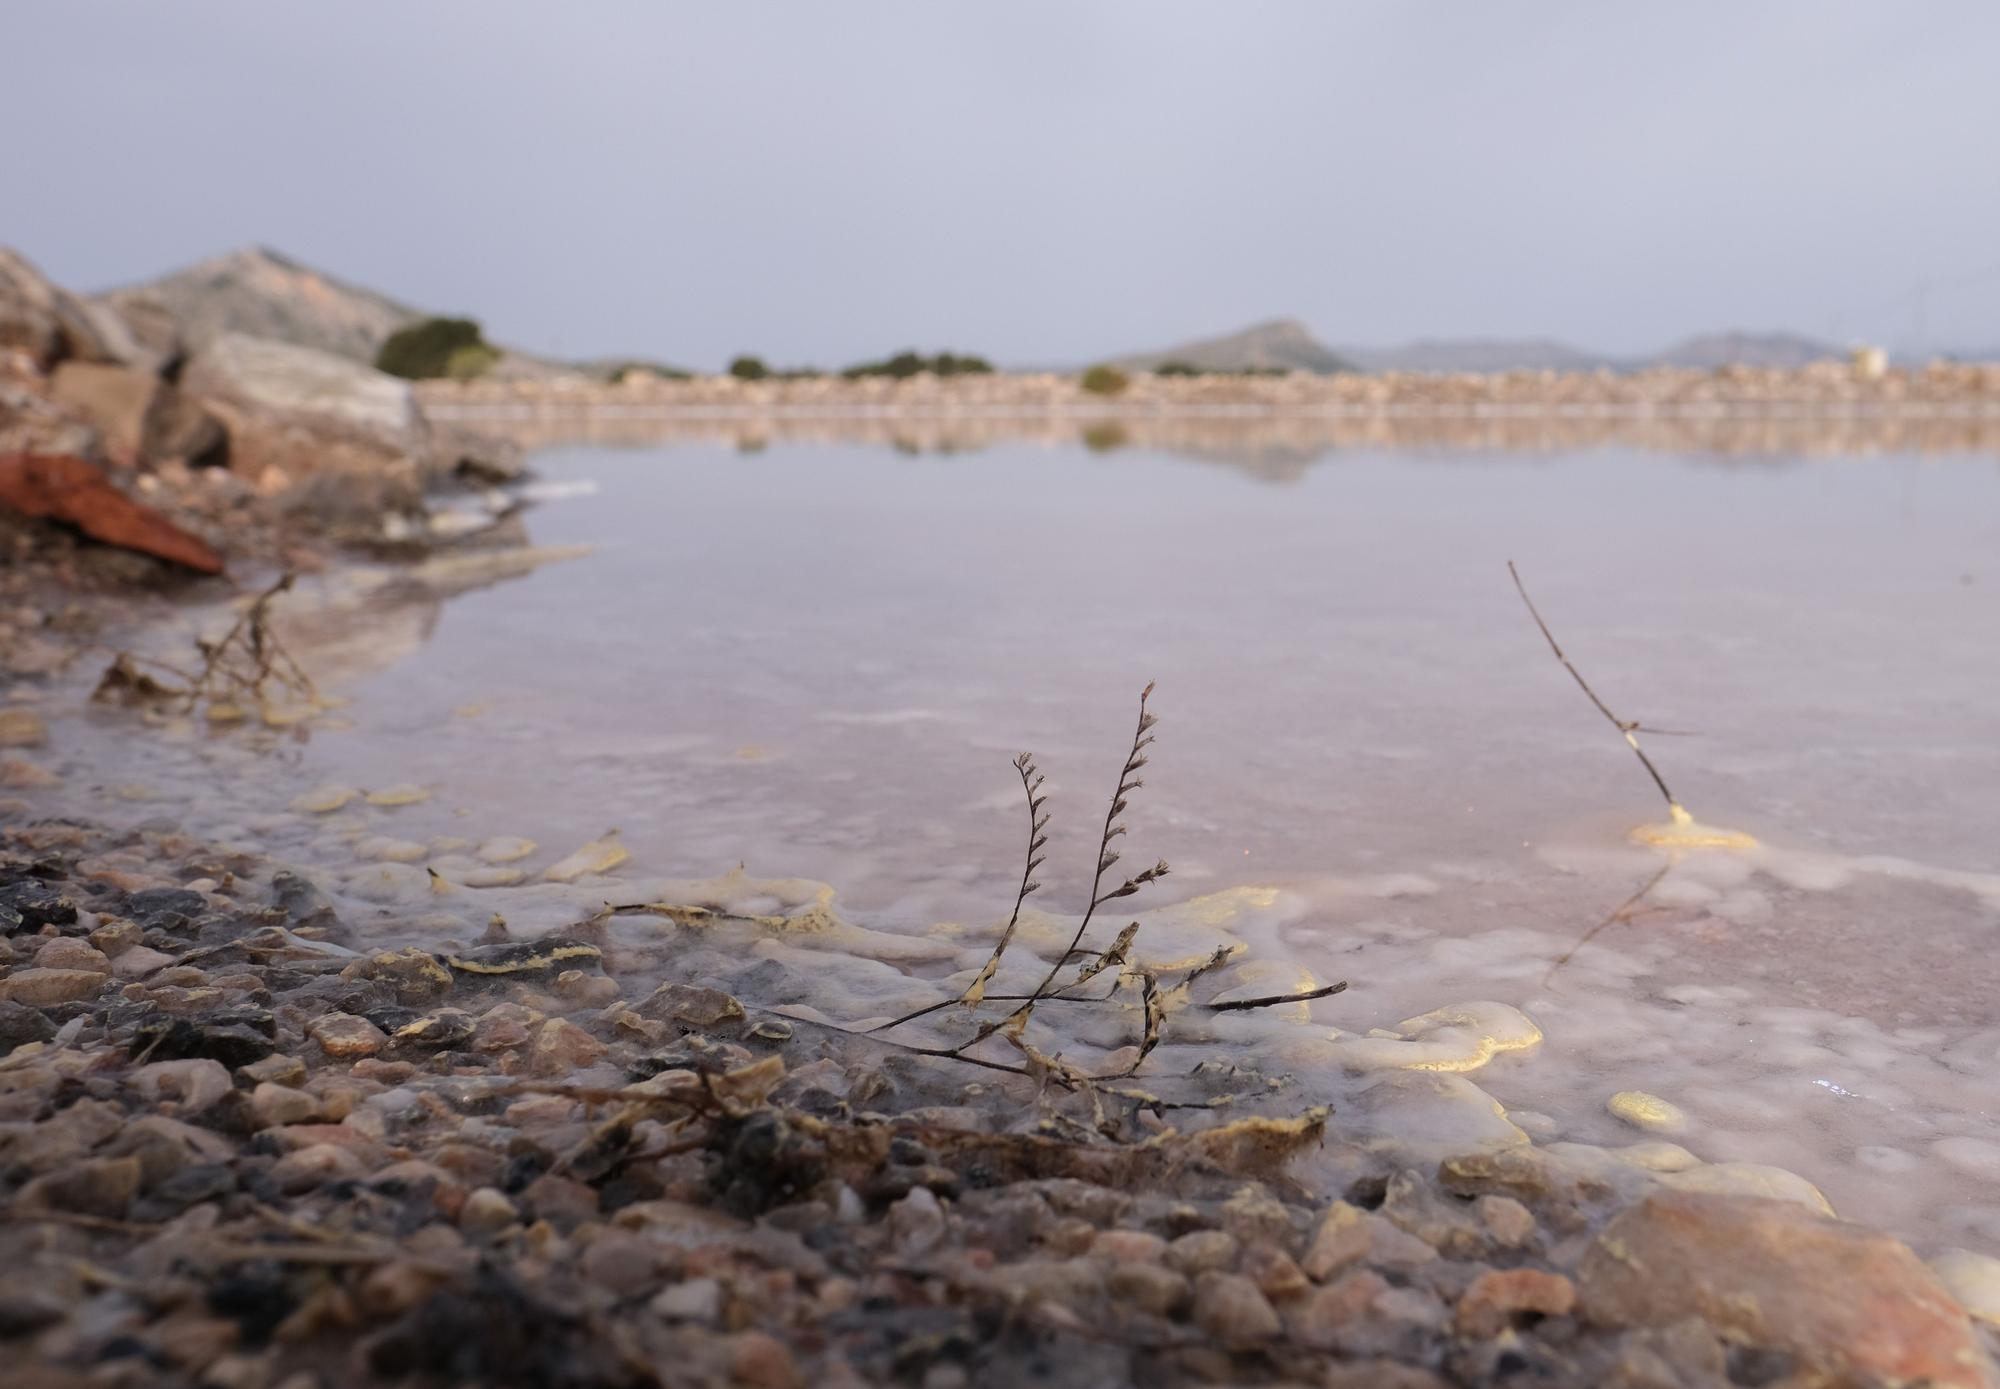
(1274, 445)
(818, 660)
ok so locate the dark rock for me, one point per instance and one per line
(191, 1186)
(149, 903)
(33, 905)
(233, 1036)
(20, 1024)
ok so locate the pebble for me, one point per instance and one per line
(760, 1360)
(586, 990)
(691, 1004)
(69, 952)
(115, 936)
(140, 961)
(315, 1166)
(1147, 1287)
(403, 793)
(276, 1104)
(1200, 1251)
(343, 1035)
(1230, 1308)
(1500, 1298)
(1128, 1246)
(560, 1047)
(1341, 1239)
(917, 1223)
(487, 1211)
(1648, 1112)
(276, 1068)
(1511, 1224)
(324, 801)
(22, 728)
(697, 1299)
(43, 988)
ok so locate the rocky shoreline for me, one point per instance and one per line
(242, 1147)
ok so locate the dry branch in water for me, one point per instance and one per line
(1630, 729)
(241, 670)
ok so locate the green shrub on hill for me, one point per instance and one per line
(435, 347)
(1104, 380)
(907, 364)
(748, 368)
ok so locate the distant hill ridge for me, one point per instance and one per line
(268, 294)
(1287, 344)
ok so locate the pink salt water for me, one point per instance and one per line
(817, 660)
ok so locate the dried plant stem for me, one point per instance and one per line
(1630, 730)
(1038, 823)
(1620, 913)
(1128, 782)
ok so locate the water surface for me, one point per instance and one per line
(818, 660)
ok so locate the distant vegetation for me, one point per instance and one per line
(1190, 369)
(907, 364)
(749, 368)
(437, 347)
(623, 371)
(1104, 380)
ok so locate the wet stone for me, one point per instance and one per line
(68, 952)
(21, 1024)
(45, 988)
(691, 1005)
(343, 1035)
(32, 905)
(1229, 1308)
(234, 1037)
(1503, 1298)
(1774, 1274)
(1150, 1288)
(1340, 1240)
(487, 1211)
(165, 908)
(1201, 1251)
(696, 1300)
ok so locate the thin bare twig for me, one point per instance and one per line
(1619, 913)
(1630, 730)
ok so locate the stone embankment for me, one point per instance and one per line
(1823, 409)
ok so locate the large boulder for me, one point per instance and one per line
(141, 417)
(1843, 1299)
(300, 383)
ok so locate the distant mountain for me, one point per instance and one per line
(266, 294)
(1283, 344)
(1286, 344)
(1747, 349)
(1480, 355)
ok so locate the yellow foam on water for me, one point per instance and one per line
(1683, 831)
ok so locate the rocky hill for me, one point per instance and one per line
(1480, 355)
(1286, 344)
(1748, 349)
(1283, 344)
(262, 293)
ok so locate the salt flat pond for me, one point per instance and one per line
(818, 659)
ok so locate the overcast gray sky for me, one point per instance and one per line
(1043, 182)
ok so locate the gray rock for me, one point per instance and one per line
(299, 382)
